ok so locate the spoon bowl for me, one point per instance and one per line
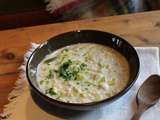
(148, 95)
(149, 92)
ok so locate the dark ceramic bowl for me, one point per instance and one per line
(83, 36)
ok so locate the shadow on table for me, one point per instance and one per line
(36, 111)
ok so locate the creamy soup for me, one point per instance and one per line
(83, 73)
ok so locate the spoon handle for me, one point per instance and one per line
(136, 116)
(139, 112)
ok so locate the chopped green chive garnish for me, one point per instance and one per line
(56, 71)
(97, 97)
(79, 77)
(66, 49)
(41, 82)
(49, 60)
(111, 82)
(68, 72)
(100, 65)
(51, 91)
(107, 66)
(44, 82)
(81, 48)
(102, 80)
(82, 66)
(65, 72)
(86, 88)
(82, 95)
(50, 74)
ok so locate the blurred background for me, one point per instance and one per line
(22, 13)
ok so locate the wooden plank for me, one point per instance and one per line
(138, 29)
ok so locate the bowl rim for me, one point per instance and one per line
(114, 97)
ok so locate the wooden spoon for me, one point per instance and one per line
(148, 95)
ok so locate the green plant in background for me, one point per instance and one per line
(123, 6)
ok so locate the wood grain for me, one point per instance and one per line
(142, 29)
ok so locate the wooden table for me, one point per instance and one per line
(141, 29)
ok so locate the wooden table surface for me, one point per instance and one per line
(142, 29)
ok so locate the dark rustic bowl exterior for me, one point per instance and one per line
(83, 36)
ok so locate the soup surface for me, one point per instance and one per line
(83, 73)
